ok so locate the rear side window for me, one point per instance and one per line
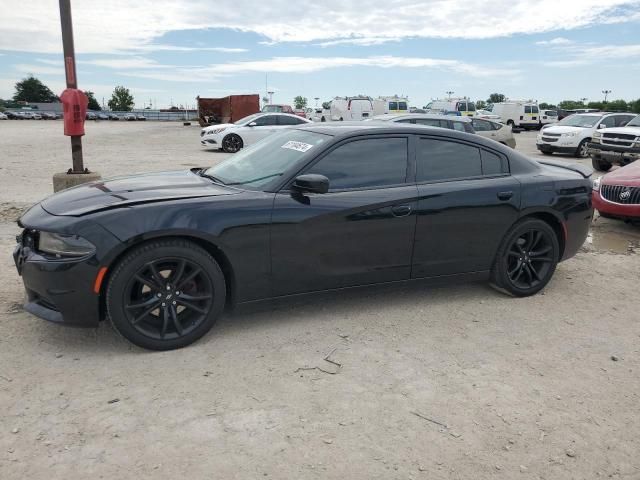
(374, 162)
(402, 105)
(432, 122)
(481, 125)
(459, 126)
(440, 160)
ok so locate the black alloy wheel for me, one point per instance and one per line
(165, 294)
(232, 143)
(527, 258)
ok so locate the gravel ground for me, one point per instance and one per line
(458, 382)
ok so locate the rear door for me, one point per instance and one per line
(360, 232)
(467, 201)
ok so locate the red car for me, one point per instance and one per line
(617, 194)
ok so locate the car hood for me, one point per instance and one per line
(210, 128)
(124, 191)
(627, 175)
(627, 130)
(563, 129)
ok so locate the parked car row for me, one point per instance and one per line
(234, 136)
(31, 115)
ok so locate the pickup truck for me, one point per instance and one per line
(619, 145)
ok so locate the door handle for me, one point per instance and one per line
(401, 210)
(505, 195)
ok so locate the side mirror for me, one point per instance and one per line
(252, 124)
(602, 125)
(311, 183)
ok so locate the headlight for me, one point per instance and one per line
(64, 245)
(570, 134)
(597, 134)
(596, 184)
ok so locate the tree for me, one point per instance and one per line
(121, 100)
(496, 98)
(616, 105)
(93, 103)
(545, 106)
(596, 105)
(300, 102)
(481, 104)
(326, 105)
(634, 106)
(571, 104)
(31, 89)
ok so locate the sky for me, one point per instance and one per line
(167, 52)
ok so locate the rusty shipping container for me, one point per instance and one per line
(227, 109)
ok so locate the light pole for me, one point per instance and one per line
(584, 99)
(270, 92)
(449, 93)
(606, 93)
(316, 99)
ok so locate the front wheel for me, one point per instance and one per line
(527, 258)
(600, 165)
(583, 149)
(546, 152)
(165, 294)
(232, 143)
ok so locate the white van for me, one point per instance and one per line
(351, 108)
(392, 105)
(452, 106)
(548, 116)
(521, 114)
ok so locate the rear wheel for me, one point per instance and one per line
(232, 143)
(165, 294)
(527, 258)
(600, 165)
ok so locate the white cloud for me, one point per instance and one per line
(144, 68)
(555, 42)
(124, 25)
(364, 42)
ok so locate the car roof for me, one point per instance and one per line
(372, 127)
(428, 116)
(263, 114)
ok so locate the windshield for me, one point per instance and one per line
(635, 122)
(466, 107)
(258, 165)
(272, 108)
(583, 121)
(245, 120)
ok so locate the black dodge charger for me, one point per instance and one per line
(308, 209)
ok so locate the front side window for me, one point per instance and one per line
(608, 122)
(367, 163)
(266, 121)
(402, 105)
(527, 109)
(285, 120)
(462, 106)
(393, 105)
(534, 109)
(432, 122)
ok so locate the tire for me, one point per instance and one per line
(581, 151)
(600, 165)
(526, 259)
(547, 153)
(147, 308)
(232, 143)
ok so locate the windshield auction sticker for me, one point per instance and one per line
(299, 146)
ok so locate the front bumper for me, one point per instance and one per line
(59, 291)
(552, 147)
(208, 141)
(613, 154)
(618, 210)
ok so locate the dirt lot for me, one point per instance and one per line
(458, 382)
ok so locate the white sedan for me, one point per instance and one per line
(231, 137)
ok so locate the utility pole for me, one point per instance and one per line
(70, 73)
(606, 93)
(316, 99)
(270, 92)
(449, 93)
(584, 99)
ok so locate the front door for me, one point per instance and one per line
(467, 202)
(264, 126)
(360, 232)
